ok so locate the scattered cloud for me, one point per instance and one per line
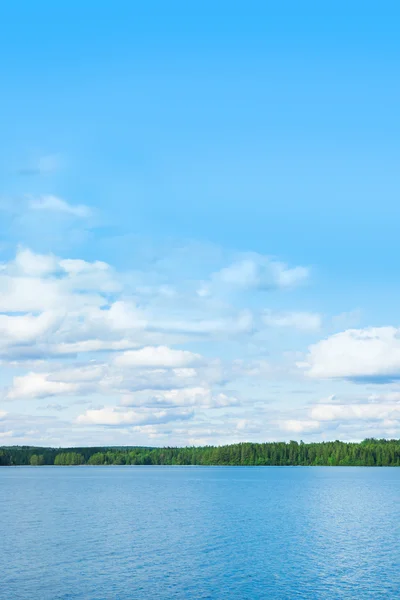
(356, 412)
(27, 328)
(51, 306)
(159, 356)
(242, 322)
(133, 352)
(300, 426)
(38, 385)
(371, 354)
(118, 416)
(133, 382)
(255, 271)
(34, 265)
(190, 396)
(55, 204)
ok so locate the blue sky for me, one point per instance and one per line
(199, 222)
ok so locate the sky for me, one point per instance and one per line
(199, 215)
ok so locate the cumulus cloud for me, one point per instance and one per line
(190, 396)
(302, 321)
(160, 356)
(38, 385)
(353, 412)
(168, 379)
(376, 415)
(28, 328)
(300, 426)
(60, 306)
(34, 265)
(81, 380)
(134, 383)
(371, 354)
(87, 346)
(76, 266)
(55, 204)
(85, 306)
(240, 323)
(117, 416)
(386, 397)
(36, 282)
(80, 331)
(256, 271)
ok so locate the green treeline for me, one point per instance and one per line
(370, 452)
(69, 459)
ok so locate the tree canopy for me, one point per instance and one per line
(370, 452)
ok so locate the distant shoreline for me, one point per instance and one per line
(203, 466)
(368, 453)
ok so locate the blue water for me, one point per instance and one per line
(120, 533)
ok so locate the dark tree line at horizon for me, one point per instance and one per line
(370, 452)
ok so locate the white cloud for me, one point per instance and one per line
(67, 382)
(363, 354)
(35, 265)
(386, 397)
(25, 294)
(35, 283)
(27, 328)
(122, 417)
(55, 204)
(135, 384)
(303, 321)
(93, 309)
(241, 322)
(145, 373)
(61, 306)
(120, 316)
(79, 374)
(190, 396)
(354, 412)
(136, 379)
(247, 426)
(76, 266)
(38, 385)
(252, 368)
(259, 272)
(245, 273)
(160, 356)
(95, 345)
(286, 277)
(300, 426)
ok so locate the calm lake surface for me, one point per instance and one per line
(122, 533)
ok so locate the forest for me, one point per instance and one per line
(370, 452)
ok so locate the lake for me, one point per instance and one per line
(234, 533)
